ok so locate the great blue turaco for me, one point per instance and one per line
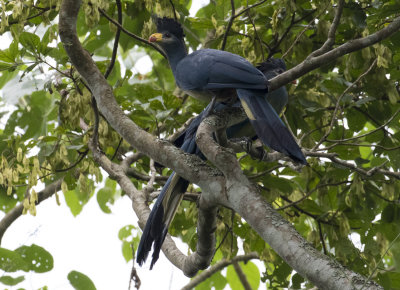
(212, 74)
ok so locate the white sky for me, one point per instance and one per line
(89, 242)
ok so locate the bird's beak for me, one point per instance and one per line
(155, 37)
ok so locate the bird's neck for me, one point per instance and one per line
(175, 54)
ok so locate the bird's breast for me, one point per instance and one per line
(204, 96)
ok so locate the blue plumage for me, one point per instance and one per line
(212, 73)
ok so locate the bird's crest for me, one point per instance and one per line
(170, 25)
(272, 64)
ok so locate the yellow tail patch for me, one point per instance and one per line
(247, 110)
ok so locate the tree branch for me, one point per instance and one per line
(161, 151)
(243, 197)
(228, 27)
(218, 267)
(130, 34)
(338, 103)
(370, 172)
(241, 275)
(330, 41)
(312, 63)
(116, 40)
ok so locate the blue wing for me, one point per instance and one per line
(209, 69)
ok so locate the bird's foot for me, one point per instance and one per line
(210, 107)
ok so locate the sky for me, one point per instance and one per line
(89, 242)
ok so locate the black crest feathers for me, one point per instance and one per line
(272, 64)
(170, 25)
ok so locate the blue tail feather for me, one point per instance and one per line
(268, 126)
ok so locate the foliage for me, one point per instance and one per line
(48, 126)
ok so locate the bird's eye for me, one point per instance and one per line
(167, 35)
(279, 70)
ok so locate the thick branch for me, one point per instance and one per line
(206, 226)
(243, 197)
(139, 205)
(161, 151)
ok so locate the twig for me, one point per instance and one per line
(380, 260)
(249, 7)
(371, 132)
(150, 185)
(311, 192)
(255, 31)
(116, 149)
(301, 33)
(173, 9)
(278, 42)
(330, 41)
(310, 64)
(134, 275)
(229, 25)
(315, 217)
(43, 10)
(321, 237)
(338, 104)
(95, 137)
(241, 275)
(116, 40)
(372, 171)
(266, 171)
(339, 143)
(134, 36)
(81, 156)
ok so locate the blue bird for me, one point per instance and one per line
(222, 76)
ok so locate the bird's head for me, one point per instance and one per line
(272, 67)
(169, 34)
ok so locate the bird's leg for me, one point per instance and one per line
(254, 149)
(210, 107)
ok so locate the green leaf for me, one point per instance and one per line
(7, 202)
(11, 261)
(129, 237)
(11, 281)
(80, 281)
(251, 272)
(6, 66)
(6, 56)
(38, 259)
(216, 281)
(127, 251)
(126, 232)
(80, 195)
(106, 195)
(355, 119)
(72, 200)
(296, 281)
(30, 41)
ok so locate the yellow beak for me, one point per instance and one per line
(155, 37)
